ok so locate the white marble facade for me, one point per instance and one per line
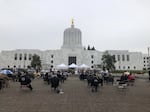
(72, 50)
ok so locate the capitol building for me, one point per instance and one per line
(72, 51)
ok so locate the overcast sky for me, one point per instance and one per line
(105, 24)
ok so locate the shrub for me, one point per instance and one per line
(131, 71)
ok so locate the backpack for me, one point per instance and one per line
(23, 79)
(95, 80)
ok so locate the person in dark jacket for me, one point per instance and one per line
(1, 83)
(94, 83)
(25, 80)
(55, 82)
(149, 74)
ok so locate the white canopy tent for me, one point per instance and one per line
(62, 66)
(73, 66)
(84, 66)
(127, 73)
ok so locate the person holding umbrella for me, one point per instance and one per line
(6, 72)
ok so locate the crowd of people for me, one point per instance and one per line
(96, 79)
(55, 79)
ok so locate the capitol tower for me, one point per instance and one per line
(72, 38)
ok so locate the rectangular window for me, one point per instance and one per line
(118, 57)
(128, 67)
(25, 56)
(114, 57)
(20, 57)
(92, 56)
(30, 56)
(72, 59)
(15, 57)
(123, 58)
(52, 56)
(128, 58)
(134, 67)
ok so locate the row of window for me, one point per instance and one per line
(146, 58)
(146, 66)
(124, 57)
(25, 56)
(118, 57)
(21, 57)
(145, 61)
(128, 67)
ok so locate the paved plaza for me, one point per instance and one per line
(77, 97)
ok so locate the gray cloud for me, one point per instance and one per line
(105, 24)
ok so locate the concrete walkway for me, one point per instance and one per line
(77, 97)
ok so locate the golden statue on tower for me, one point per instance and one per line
(72, 21)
